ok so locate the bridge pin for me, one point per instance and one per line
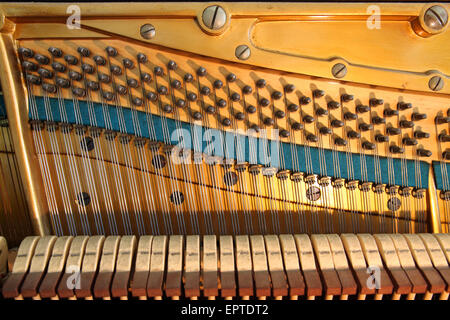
(172, 65)
(188, 77)
(141, 58)
(231, 77)
(261, 83)
(112, 52)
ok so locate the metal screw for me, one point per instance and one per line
(242, 52)
(436, 83)
(436, 17)
(339, 70)
(214, 17)
(148, 31)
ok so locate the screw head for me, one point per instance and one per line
(436, 18)
(436, 83)
(214, 17)
(339, 70)
(242, 52)
(148, 31)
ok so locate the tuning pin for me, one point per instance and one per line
(158, 71)
(340, 142)
(226, 122)
(368, 145)
(381, 138)
(176, 84)
(56, 52)
(71, 59)
(284, 133)
(29, 66)
(421, 135)
(221, 103)
(151, 96)
(122, 90)
(247, 89)
(41, 58)
(312, 138)
(308, 119)
(26, 52)
(350, 116)
(197, 115)
(305, 100)
(264, 102)
(99, 60)
(404, 106)
(296, 126)
(325, 130)
(365, 126)
(192, 97)
(239, 116)
(210, 109)
(112, 52)
(87, 68)
(251, 109)
(446, 154)
(231, 77)
(393, 131)
(146, 77)
(133, 83)
(396, 149)
(269, 121)
(318, 93)
(409, 141)
(136, 101)
(255, 127)
(353, 134)
(94, 86)
(201, 72)
(172, 65)
(127, 63)
(167, 108)
(277, 95)
(424, 153)
(104, 78)
(33, 79)
(50, 88)
(63, 83)
(337, 123)
(74, 75)
(84, 51)
(108, 95)
(293, 107)
(206, 91)
(116, 70)
(289, 88)
(235, 97)
(362, 108)
(280, 114)
(406, 124)
(261, 83)
(79, 92)
(390, 112)
(347, 97)
(188, 78)
(376, 102)
(141, 58)
(442, 120)
(162, 90)
(180, 103)
(321, 112)
(378, 120)
(418, 116)
(333, 105)
(443, 137)
(58, 67)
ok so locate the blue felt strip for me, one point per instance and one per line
(412, 166)
(442, 175)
